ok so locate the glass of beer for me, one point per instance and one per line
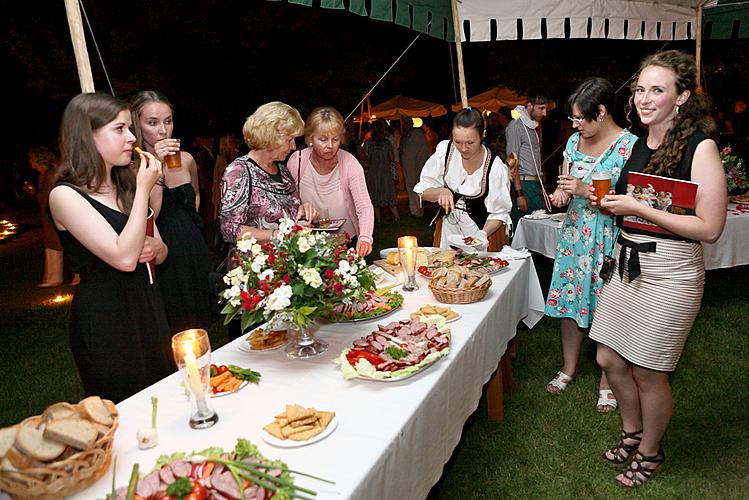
(174, 160)
(601, 184)
(324, 217)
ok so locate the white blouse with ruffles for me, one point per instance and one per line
(498, 202)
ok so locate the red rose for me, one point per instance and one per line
(286, 278)
(271, 258)
(329, 274)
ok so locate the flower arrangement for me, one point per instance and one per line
(735, 173)
(294, 278)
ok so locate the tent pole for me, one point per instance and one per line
(79, 45)
(698, 47)
(459, 51)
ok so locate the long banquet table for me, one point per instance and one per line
(731, 249)
(392, 440)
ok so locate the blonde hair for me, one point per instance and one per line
(263, 128)
(323, 121)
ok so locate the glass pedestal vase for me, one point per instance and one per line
(304, 345)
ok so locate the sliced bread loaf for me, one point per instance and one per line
(7, 438)
(59, 410)
(94, 409)
(31, 441)
(74, 432)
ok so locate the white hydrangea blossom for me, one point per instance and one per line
(343, 268)
(279, 299)
(235, 277)
(310, 276)
(304, 244)
(232, 294)
(246, 243)
(257, 249)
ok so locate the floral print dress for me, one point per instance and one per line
(587, 236)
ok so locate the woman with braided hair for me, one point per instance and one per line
(645, 314)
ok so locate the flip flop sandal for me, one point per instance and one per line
(561, 380)
(606, 398)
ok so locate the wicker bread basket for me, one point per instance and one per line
(62, 477)
(460, 295)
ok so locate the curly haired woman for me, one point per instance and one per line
(645, 314)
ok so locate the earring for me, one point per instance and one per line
(600, 118)
(677, 109)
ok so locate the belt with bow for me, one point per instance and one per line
(633, 263)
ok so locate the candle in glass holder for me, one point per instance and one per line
(192, 353)
(407, 249)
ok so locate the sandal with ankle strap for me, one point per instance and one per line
(622, 453)
(638, 473)
(560, 382)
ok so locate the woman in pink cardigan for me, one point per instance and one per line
(336, 179)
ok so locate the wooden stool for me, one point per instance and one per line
(497, 240)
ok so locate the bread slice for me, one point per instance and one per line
(7, 438)
(94, 409)
(7, 466)
(73, 432)
(18, 459)
(59, 410)
(111, 407)
(31, 441)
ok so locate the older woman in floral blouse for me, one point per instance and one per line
(257, 190)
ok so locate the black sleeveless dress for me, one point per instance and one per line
(183, 277)
(118, 330)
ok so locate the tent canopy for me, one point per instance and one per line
(534, 19)
(398, 106)
(493, 99)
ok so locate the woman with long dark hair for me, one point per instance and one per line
(118, 330)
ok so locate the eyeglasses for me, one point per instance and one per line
(575, 120)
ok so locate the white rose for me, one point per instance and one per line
(258, 263)
(311, 277)
(343, 267)
(256, 249)
(266, 275)
(279, 299)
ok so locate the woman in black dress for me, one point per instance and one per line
(118, 330)
(183, 278)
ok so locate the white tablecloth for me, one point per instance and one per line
(393, 438)
(732, 249)
(537, 235)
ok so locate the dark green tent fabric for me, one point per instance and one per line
(724, 15)
(431, 17)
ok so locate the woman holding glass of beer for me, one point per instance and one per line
(647, 311)
(183, 278)
(598, 150)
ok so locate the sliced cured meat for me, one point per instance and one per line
(144, 489)
(166, 475)
(180, 468)
(226, 485)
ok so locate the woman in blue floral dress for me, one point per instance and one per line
(588, 235)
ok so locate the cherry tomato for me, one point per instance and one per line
(222, 369)
(424, 270)
(214, 370)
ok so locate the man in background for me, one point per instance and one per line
(523, 140)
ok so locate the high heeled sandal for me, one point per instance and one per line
(623, 453)
(637, 473)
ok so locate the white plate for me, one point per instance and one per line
(398, 379)
(290, 443)
(222, 394)
(385, 251)
(244, 346)
(368, 318)
(456, 318)
(335, 225)
(457, 241)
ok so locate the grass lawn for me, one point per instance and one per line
(549, 446)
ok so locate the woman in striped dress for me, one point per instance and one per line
(647, 309)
